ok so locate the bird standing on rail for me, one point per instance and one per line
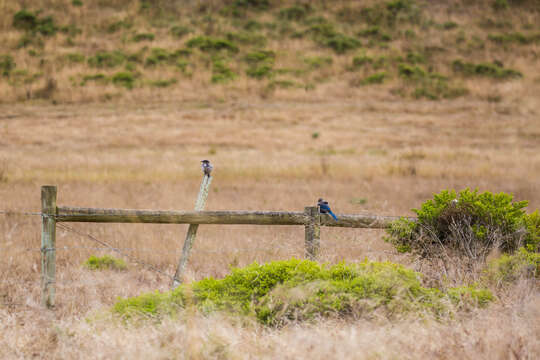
(324, 208)
(206, 167)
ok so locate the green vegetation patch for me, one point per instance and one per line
(163, 83)
(75, 58)
(7, 64)
(143, 37)
(210, 44)
(468, 223)
(124, 79)
(429, 85)
(514, 38)
(179, 31)
(105, 263)
(107, 59)
(261, 63)
(31, 22)
(495, 71)
(295, 13)
(317, 62)
(294, 290)
(221, 73)
(390, 13)
(326, 35)
(509, 268)
(246, 38)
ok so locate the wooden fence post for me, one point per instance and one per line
(313, 232)
(192, 232)
(48, 245)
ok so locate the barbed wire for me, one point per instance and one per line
(13, 212)
(112, 248)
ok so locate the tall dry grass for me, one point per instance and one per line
(370, 155)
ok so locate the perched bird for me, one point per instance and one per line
(324, 208)
(206, 167)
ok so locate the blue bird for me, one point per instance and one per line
(325, 209)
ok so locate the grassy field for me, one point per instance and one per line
(367, 148)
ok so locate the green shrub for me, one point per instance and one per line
(102, 78)
(377, 78)
(411, 71)
(77, 3)
(485, 69)
(7, 64)
(107, 59)
(468, 223)
(246, 38)
(375, 33)
(180, 31)
(391, 12)
(317, 62)
(163, 83)
(158, 56)
(500, 5)
(449, 25)
(326, 35)
(221, 73)
(301, 290)
(124, 79)
(75, 58)
(295, 13)
(117, 25)
(260, 56)
(29, 21)
(25, 20)
(260, 71)
(143, 37)
(509, 268)
(514, 38)
(209, 44)
(532, 226)
(361, 60)
(253, 4)
(105, 263)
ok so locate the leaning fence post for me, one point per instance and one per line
(313, 232)
(192, 231)
(48, 245)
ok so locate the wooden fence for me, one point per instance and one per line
(310, 219)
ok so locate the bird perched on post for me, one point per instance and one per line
(206, 167)
(324, 208)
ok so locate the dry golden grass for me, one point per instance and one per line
(392, 154)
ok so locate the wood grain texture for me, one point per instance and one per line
(48, 245)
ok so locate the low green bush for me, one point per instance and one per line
(295, 13)
(468, 223)
(294, 290)
(105, 263)
(7, 64)
(485, 69)
(75, 58)
(124, 79)
(317, 62)
(325, 34)
(101, 78)
(143, 37)
(246, 38)
(509, 268)
(514, 38)
(107, 59)
(221, 73)
(210, 44)
(29, 21)
(163, 83)
(179, 31)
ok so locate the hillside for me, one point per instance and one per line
(72, 51)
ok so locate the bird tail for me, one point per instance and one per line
(332, 214)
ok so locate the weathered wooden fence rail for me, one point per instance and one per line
(72, 214)
(310, 219)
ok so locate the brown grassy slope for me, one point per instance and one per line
(438, 33)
